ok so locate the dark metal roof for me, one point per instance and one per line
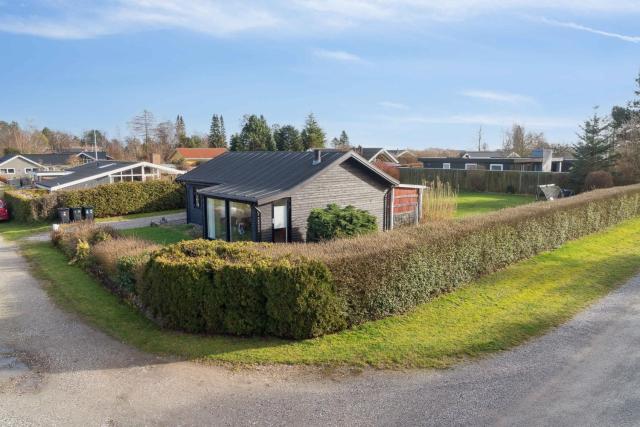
(263, 176)
(369, 152)
(84, 171)
(11, 156)
(65, 158)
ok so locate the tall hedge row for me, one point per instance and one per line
(121, 198)
(220, 287)
(390, 273)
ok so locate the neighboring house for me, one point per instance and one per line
(195, 156)
(267, 196)
(539, 161)
(376, 154)
(64, 160)
(102, 172)
(17, 165)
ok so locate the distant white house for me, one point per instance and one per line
(102, 172)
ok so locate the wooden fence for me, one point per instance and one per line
(518, 182)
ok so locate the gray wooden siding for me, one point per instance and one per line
(344, 184)
(266, 222)
(19, 165)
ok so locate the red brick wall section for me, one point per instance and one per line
(405, 200)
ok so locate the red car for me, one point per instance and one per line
(4, 211)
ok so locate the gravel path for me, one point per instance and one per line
(176, 218)
(56, 370)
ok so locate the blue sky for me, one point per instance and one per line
(398, 74)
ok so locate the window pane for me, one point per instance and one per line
(241, 225)
(216, 219)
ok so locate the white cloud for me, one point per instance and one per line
(488, 120)
(82, 19)
(68, 20)
(337, 55)
(393, 105)
(511, 98)
(574, 26)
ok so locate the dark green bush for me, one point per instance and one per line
(220, 287)
(336, 222)
(116, 199)
(31, 205)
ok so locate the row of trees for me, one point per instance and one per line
(610, 143)
(256, 134)
(148, 136)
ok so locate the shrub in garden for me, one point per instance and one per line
(336, 222)
(220, 287)
(31, 205)
(598, 179)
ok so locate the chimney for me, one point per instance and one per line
(317, 156)
(156, 158)
(547, 159)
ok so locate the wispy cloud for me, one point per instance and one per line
(82, 19)
(393, 105)
(487, 120)
(574, 26)
(489, 95)
(71, 20)
(337, 55)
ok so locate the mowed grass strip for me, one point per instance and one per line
(163, 235)
(495, 313)
(481, 203)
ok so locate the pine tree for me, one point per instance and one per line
(594, 150)
(312, 135)
(287, 138)
(181, 131)
(342, 142)
(255, 135)
(217, 136)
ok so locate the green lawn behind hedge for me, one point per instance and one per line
(494, 313)
(480, 203)
(163, 235)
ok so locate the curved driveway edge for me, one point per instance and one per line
(55, 370)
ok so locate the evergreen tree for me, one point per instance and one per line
(181, 130)
(342, 142)
(594, 150)
(217, 135)
(255, 135)
(287, 138)
(236, 143)
(312, 135)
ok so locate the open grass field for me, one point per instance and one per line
(481, 203)
(163, 235)
(494, 313)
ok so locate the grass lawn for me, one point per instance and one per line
(495, 313)
(12, 230)
(481, 203)
(139, 215)
(164, 235)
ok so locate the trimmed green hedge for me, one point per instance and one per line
(116, 199)
(32, 205)
(220, 287)
(390, 273)
(335, 222)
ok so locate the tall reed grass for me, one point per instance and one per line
(439, 202)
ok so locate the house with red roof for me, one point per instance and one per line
(195, 156)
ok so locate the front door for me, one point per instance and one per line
(281, 221)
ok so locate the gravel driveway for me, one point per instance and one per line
(56, 370)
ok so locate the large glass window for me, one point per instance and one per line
(216, 219)
(241, 221)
